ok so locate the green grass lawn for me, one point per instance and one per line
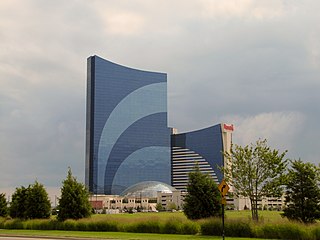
(264, 216)
(108, 235)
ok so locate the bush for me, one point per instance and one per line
(101, 226)
(83, 226)
(13, 224)
(238, 229)
(316, 232)
(284, 231)
(143, 227)
(211, 226)
(159, 207)
(191, 228)
(2, 221)
(70, 225)
(172, 226)
(37, 224)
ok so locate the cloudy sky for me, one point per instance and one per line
(255, 64)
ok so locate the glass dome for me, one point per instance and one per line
(147, 189)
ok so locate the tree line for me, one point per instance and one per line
(33, 202)
(256, 171)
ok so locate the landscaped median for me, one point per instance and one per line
(174, 224)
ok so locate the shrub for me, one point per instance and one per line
(2, 221)
(37, 224)
(13, 224)
(143, 227)
(284, 231)
(102, 226)
(172, 226)
(159, 207)
(316, 232)
(211, 226)
(191, 228)
(69, 225)
(238, 229)
(83, 226)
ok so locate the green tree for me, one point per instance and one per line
(203, 198)
(303, 192)
(74, 202)
(3, 205)
(38, 203)
(255, 171)
(159, 207)
(30, 203)
(172, 206)
(18, 203)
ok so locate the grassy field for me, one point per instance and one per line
(109, 235)
(264, 216)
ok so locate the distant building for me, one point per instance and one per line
(127, 138)
(265, 203)
(171, 201)
(143, 196)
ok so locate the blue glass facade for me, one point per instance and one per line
(127, 136)
(203, 148)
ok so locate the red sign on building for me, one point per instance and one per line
(228, 127)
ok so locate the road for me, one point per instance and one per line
(38, 238)
(24, 238)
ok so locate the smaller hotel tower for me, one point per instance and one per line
(203, 148)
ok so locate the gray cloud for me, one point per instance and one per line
(252, 63)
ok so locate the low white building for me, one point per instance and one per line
(266, 203)
(143, 196)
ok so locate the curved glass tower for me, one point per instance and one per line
(127, 138)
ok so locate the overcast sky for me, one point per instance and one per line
(255, 64)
